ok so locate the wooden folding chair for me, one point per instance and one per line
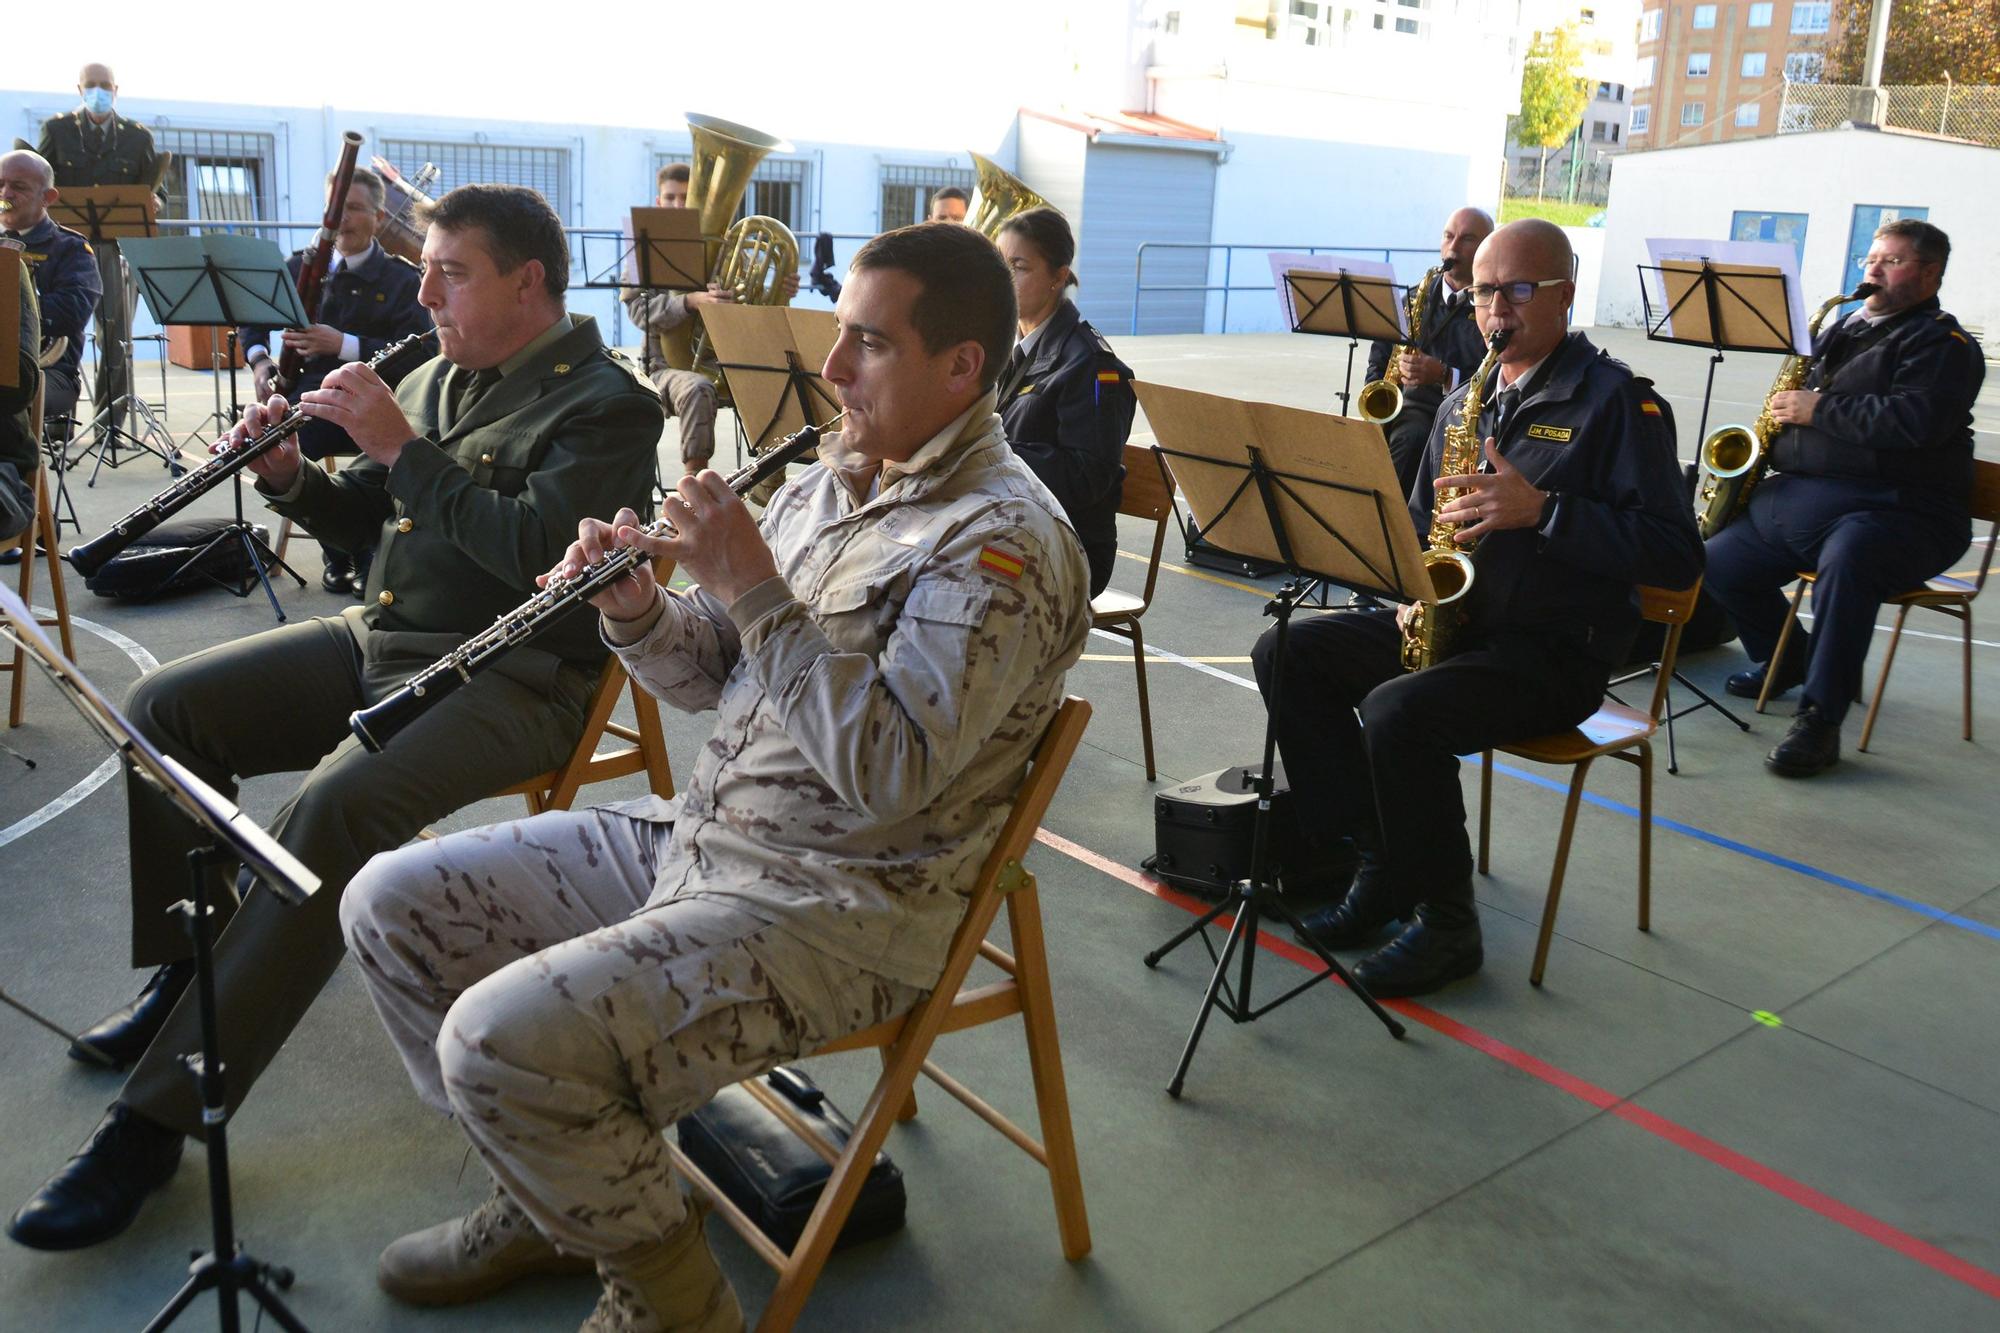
(905, 1045)
(1147, 493)
(1615, 730)
(1951, 596)
(40, 539)
(645, 750)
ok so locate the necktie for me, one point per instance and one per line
(1503, 413)
(475, 387)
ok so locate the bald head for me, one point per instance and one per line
(98, 88)
(27, 188)
(1463, 232)
(97, 76)
(1531, 251)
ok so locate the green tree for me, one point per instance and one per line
(1553, 95)
(1928, 40)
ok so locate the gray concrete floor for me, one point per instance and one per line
(1627, 1147)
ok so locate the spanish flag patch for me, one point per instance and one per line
(1108, 377)
(1650, 408)
(1954, 333)
(996, 561)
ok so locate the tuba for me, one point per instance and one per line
(1002, 194)
(1733, 458)
(1381, 400)
(751, 257)
(1430, 630)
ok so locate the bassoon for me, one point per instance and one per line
(312, 273)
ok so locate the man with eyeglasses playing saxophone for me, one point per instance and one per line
(1873, 490)
(1578, 500)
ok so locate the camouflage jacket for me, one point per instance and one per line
(878, 700)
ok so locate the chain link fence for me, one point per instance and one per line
(1961, 110)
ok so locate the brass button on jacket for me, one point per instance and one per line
(404, 525)
(386, 597)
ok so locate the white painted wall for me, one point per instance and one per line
(1691, 192)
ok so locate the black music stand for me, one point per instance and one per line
(225, 1268)
(1346, 305)
(108, 215)
(1317, 495)
(221, 282)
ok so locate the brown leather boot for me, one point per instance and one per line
(471, 1256)
(672, 1287)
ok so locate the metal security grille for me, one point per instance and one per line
(545, 170)
(780, 188)
(1961, 110)
(907, 191)
(219, 175)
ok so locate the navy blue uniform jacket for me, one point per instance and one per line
(66, 283)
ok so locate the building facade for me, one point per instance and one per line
(1713, 72)
(1581, 167)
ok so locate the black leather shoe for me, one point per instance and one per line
(338, 576)
(98, 1192)
(1438, 948)
(1792, 672)
(1811, 746)
(1356, 920)
(123, 1035)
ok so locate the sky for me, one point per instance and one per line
(941, 74)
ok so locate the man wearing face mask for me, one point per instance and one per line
(94, 145)
(1448, 345)
(369, 300)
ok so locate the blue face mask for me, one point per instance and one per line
(97, 101)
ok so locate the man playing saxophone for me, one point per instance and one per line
(1577, 500)
(1448, 344)
(1872, 489)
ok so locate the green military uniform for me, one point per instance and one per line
(486, 498)
(120, 152)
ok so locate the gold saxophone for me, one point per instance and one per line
(1431, 628)
(1380, 400)
(1733, 458)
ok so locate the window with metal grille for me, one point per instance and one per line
(545, 170)
(219, 175)
(907, 191)
(780, 188)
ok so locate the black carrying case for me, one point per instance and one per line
(775, 1176)
(1204, 832)
(180, 554)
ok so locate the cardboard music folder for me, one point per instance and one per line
(668, 252)
(772, 356)
(1313, 492)
(107, 212)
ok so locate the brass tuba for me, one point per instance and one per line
(751, 257)
(1002, 194)
(1733, 458)
(1380, 400)
(1431, 629)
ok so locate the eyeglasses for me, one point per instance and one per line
(1515, 293)
(1886, 261)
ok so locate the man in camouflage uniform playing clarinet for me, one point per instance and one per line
(882, 656)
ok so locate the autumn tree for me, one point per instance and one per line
(1928, 40)
(1553, 95)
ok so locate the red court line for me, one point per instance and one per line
(1785, 1187)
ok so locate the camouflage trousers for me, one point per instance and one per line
(536, 993)
(689, 398)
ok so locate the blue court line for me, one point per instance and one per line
(1770, 858)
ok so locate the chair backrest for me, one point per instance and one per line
(1670, 607)
(1148, 493)
(1986, 509)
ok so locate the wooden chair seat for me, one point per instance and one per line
(1612, 727)
(905, 1044)
(1111, 604)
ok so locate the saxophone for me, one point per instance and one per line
(1380, 400)
(1733, 458)
(1431, 627)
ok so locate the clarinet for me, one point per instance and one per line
(392, 363)
(377, 725)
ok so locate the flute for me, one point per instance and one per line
(376, 725)
(392, 363)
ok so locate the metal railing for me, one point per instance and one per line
(1386, 253)
(1961, 110)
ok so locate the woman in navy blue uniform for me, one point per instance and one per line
(1065, 397)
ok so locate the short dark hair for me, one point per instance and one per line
(1930, 242)
(673, 171)
(368, 181)
(966, 294)
(1048, 231)
(519, 226)
(951, 192)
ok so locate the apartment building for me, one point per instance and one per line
(1713, 72)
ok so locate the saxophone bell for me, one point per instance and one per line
(1381, 401)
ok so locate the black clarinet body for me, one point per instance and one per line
(376, 725)
(392, 363)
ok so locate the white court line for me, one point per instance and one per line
(104, 771)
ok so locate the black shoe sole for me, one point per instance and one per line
(1349, 945)
(1388, 988)
(1784, 770)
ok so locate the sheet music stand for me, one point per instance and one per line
(106, 215)
(660, 250)
(1726, 308)
(1344, 304)
(225, 1268)
(222, 282)
(1316, 494)
(772, 356)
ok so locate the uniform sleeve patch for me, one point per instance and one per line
(996, 561)
(1108, 377)
(1560, 434)
(1961, 337)
(1650, 408)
